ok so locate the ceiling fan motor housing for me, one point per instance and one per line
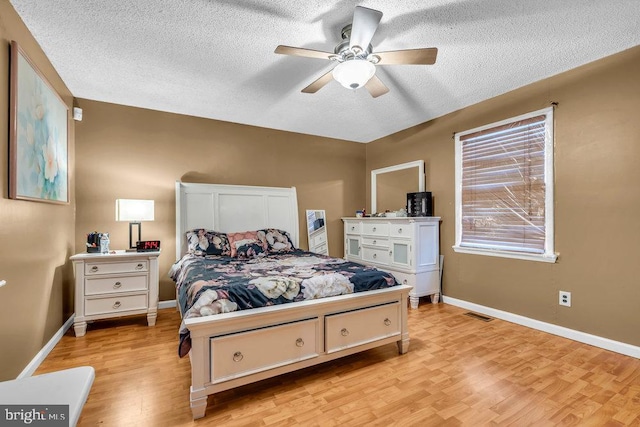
(345, 53)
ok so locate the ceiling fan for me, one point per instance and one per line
(355, 57)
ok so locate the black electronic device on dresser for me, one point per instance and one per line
(148, 246)
(419, 204)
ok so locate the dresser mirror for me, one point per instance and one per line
(390, 185)
(317, 232)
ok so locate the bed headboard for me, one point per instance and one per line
(231, 208)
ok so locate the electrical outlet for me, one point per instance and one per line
(564, 298)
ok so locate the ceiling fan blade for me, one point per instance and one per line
(365, 23)
(319, 83)
(425, 56)
(300, 51)
(376, 87)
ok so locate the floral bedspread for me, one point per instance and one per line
(213, 284)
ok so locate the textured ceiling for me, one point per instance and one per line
(214, 58)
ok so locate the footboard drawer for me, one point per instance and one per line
(246, 353)
(359, 327)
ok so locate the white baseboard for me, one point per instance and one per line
(606, 343)
(42, 354)
(167, 304)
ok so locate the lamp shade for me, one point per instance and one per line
(354, 73)
(133, 210)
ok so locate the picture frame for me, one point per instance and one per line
(38, 134)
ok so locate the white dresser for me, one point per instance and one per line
(115, 284)
(407, 247)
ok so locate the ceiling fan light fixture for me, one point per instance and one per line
(354, 74)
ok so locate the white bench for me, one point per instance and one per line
(68, 387)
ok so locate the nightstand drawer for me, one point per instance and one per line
(91, 268)
(106, 285)
(115, 304)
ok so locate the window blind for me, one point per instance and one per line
(503, 187)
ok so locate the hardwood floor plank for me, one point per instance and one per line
(459, 371)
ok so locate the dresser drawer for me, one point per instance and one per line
(115, 304)
(91, 268)
(353, 227)
(405, 279)
(106, 285)
(375, 241)
(375, 255)
(359, 327)
(375, 228)
(401, 230)
(245, 353)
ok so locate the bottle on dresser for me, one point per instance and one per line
(104, 243)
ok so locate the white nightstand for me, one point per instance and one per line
(115, 284)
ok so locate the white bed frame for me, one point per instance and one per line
(232, 349)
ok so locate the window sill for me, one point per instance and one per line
(550, 258)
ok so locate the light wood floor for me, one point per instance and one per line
(458, 371)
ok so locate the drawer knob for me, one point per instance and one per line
(374, 242)
(344, 332)
(374, 228)
(375, 256)
(299, 342)
(139, 266)
(399, 230)
(390, 253)
(237, 356)
(353, 228)
(94, 268)
(116, 304)
(387, 322)
(404, 282)
(117, 285)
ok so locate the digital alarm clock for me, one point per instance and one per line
(148, 246)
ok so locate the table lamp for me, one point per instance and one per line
(134, 211)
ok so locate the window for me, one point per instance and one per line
(504, 188)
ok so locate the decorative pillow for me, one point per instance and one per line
(208, 242)
(247, 244)
(277, 240)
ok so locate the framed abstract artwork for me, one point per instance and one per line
(38, 135)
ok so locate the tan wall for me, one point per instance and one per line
(597, 149)
(126, 152)
(36, 238)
